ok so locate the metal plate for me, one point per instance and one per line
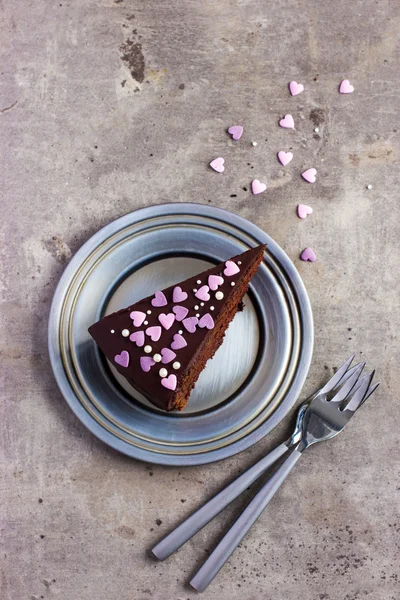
(254, 378)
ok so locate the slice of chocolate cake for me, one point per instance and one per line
(162, 343)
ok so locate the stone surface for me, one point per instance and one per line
(112, 105)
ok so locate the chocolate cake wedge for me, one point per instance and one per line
(163, 342)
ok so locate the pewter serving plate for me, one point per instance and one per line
(244, 391)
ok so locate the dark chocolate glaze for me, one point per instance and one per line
(149, 383)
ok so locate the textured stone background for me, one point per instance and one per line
(109, 106)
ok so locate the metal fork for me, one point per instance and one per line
(321, 417)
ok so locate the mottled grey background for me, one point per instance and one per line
(109, 106)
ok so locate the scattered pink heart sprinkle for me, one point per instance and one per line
(159, 299)
(169, 382)
(287, 122)
(308, 254)
(346, 87)
(214, 281)
(138, 338)
(295, 88)
(310, 175)
(178, 295)
(167, 355)
(166, 320)
(303, 211)
(122, 359)
(257, 187)
(202, 293)
(180, 312)
(154, 333)
(137, 317)
(218, 164)
(285, 157)
(206, 321)
(146, 362)
(179, 342)
(231, 268)
(236, 132)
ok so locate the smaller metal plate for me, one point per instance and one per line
(252, 381)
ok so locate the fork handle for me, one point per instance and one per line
(213, 507)
(232, 539)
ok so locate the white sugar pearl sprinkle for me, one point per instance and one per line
(147, 349)
(180, 332)
(125, 332)
(176, 365)
(145, 323)
(163, 372)
(211, 308)
(157, 358)
(232, 283)
(254, 144)
(197, 315)
(219, 295)
(198, 282)
(148, 312)
(369, 187)
(112, 330)
(196, 307)
(201, 303)
(316, 130)
(195, 290)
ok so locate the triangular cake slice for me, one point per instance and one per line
(162, 343)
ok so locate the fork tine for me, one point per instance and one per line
(370, 392)
(359, 391)
(346, 376)
(333, 382)
(348, 386)
(359, 383)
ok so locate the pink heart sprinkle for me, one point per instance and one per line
(190, 324)
(159, 299)
(310, 175)
(308, 254)
(169, 382)
(231, 268)
(178, 295)
(236, 132)
(122, 359)
(206, 321)
(179, 342)
(218, 164)
(303, 210)
(285, 157)
(346, 87)
(138, 338)
(137, 317)
(154, 333)
(166, 320)
(257, 187)
(167, 355)
(202, 293)
(214, 281)
(180, 312)
(295, 88)
(146, 362)
(287, 122)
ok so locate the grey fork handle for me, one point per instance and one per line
(211, 509)
(232, 539)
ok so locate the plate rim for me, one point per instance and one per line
(226, 217)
